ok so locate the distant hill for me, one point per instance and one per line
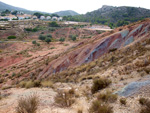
(110, 14)
(66, 13)
(4, 6)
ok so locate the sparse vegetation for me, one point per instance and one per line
(30, 84)
(65, 99)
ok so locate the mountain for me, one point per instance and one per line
(66, 13)
(111, 14)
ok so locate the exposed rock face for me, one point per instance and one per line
(96, 48)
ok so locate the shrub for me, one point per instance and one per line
(123, 101)
(49, 35)
(107, 97)
(146, 108)
(145, 105)
(65, 99)
(42, 37)
(28, 104)
(31, 30)
(53, 24)
(29, 84)
(99, 107)
(73, 37)
(62, 39)
(142, 101)
(34, 42)
(99, 84)
(112, 50)
(11, 37)
(48, 40)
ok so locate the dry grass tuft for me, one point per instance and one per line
(28, 104)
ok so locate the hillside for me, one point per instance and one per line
(110, 14)
(100, 69)
(66, 13)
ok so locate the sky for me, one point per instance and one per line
(80, 6)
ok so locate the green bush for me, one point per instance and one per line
(11, 37)
(42, 37)
(28, 104)
(31, 30)
(34, 42)
(99, 84)
(53, 24)
(99, 107)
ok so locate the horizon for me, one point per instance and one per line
(86, 6)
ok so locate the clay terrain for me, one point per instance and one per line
(80, 71)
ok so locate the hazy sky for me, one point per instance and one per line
(80, 6)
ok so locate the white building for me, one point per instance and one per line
(48, 18)
(34, 17)
(54, 18)
(42, 17)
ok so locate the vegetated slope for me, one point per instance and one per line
(93, 49)
(66, 13)
(110, 14)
